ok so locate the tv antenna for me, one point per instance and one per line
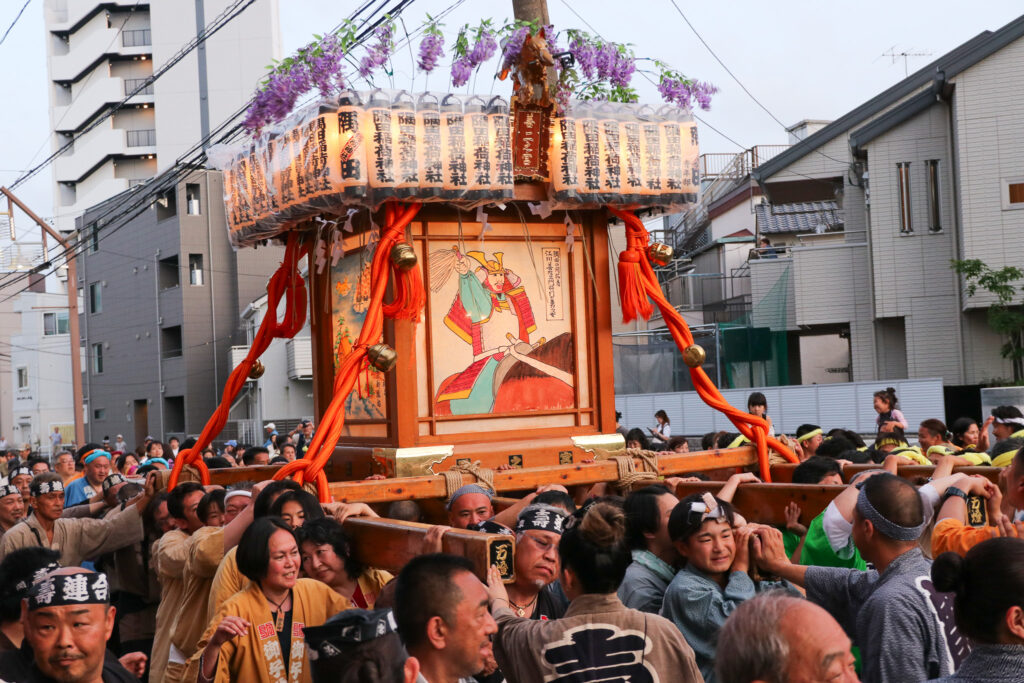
(893, 54)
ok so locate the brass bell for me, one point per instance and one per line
(660, 254)
(403, 256)
(257, 370)
(382, 357)
(694, 355)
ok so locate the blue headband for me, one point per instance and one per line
(98, 453)
(159, 460)
(887, 528)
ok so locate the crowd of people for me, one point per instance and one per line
(103, 577)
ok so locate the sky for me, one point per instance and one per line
(801, 59)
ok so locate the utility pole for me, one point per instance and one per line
(72, 287)
(531, 10)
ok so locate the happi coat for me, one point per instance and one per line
(204, 551)
(256, 657)
(598, 639)
(169, 554)
(902, 625)
(77, 540)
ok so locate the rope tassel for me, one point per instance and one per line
(632, 295)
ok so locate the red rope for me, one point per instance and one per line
(408, 303)
(638, 286)
(288, 283)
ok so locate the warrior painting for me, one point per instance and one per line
(492, 314)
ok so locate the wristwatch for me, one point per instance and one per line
(954, 491)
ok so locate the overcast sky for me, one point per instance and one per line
(801, 60)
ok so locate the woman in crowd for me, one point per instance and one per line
(127, 464)
(296, 508)
(757, 405)
(594, 556)
(635, 439)
(933, 433)
(889, 417)
(16, 575)
(256, 636)
(328, 557)
(714, 580)
(966, 433)
(988, 606)
(663, 432)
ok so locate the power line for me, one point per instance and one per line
(8, 31)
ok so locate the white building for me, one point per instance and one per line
(41, 371)
(99, 52)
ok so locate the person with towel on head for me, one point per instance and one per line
(360, 646)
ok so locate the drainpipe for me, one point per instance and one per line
(159, 349)
(213, 306)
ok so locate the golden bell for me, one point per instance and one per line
(382, 357)
(257, 370)
(694, 355)
(403, 256)
(660, 254)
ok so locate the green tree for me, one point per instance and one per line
(1005, 316)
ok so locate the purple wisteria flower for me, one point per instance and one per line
(512, 46)
(431, 51)
(378, 53)
(462, 69)
(484, 48)
(684, 93)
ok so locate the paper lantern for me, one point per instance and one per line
(478, 148)
(317, 170)
(428, 141)
(565, 159)
(403, 121)
(610, 153)
(650, 154)
(453, 148)
(500, 125)
(351, 147)
(381, 152)
(590, 154)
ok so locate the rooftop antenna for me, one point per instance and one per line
(893, 54)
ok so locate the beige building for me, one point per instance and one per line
(926, 172)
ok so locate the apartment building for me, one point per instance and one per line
(98, 53)
(926, 172)
(161, 304)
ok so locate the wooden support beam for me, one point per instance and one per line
(389, 544)
(766, 503)
(526, 479)
(784, 473)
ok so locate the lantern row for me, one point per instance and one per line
(364, 148)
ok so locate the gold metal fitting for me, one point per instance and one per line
(403, 256)
(694, 355)
(382, 357)
(660, 254)
(257, 370)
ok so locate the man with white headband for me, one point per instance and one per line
(903, 626)
(78, 539)
(234, 502)
(1007, 422)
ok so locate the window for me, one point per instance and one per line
(96, 297)
(97, 359)
(195, 270)
(167, 275)
(903, 184)
(192, 199)
(1013, 193)
(94, 238)
(55, 323)
(934, 213)
(170, 341)
(99, 413)
(23, 378)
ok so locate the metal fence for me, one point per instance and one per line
(847, 405)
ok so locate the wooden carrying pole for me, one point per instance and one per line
(72, 287)
(389, 544)
(411, 488)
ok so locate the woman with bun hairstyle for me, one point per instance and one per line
(889, 417)
(597, 631)
(988, 584)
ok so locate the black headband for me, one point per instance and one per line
(112, 481)
(21, 471)
(489, 527)
(37, 576)
(9, 490)
(57, 590)
(38, 488)
(541, 517)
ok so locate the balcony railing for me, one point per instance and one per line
(715, 165)
(141, 138)
(131, 84)
(136, 37)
